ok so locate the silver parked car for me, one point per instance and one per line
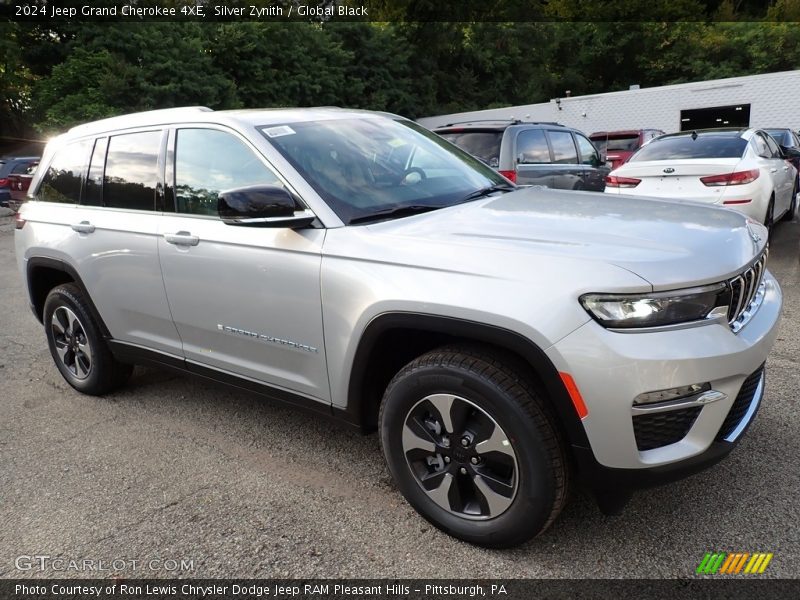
(504, 341)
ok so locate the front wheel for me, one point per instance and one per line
(472, 448)
(77, 346)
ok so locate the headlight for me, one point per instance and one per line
(624, 311)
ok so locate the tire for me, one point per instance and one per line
(77, 346)
(769, 218)
(492, 406)
(789, 215)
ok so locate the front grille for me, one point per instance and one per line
(743, 401)
(743, 290)
(663, 428)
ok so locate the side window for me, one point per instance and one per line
(62, 182)
(760, 145)
(564, 152)
(132, 171)
(773, 147)
(532, 147)
(93, 196)
(589, 155)
(208, 161)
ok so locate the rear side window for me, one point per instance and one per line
(783, 137)
(563, 147)
(208, 161)
(532, 147)
(482, 144)
(589, 155)
(773, 147)
(687, 147)
(132, 171)
(62, 182)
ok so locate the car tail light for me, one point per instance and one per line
(622, 182)
(510, 175)
(4, 182)
(735, 178)
(19, 222)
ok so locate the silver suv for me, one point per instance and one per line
(505, 342)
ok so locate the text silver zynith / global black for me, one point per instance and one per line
(503, 341)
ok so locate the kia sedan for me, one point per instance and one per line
(743, 169)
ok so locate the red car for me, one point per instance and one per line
(617, 146)
(18, 184)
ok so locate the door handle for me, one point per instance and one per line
(773, 170)
(83, 227)
(785, 168)
(182, 238)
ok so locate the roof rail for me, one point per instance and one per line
(511, 121)
(163, 112)
(481, 121)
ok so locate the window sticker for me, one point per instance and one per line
(278, 131)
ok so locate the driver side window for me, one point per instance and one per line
(209, 161)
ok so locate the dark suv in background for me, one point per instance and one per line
(547, 154)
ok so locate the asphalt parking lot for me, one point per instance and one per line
(171, 468)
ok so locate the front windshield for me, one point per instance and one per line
(374, 164)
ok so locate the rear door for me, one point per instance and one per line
(114, 232)
(782, 172)
(245, 300)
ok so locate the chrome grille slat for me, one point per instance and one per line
(744, 291)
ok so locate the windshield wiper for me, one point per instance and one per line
(398, 211)
(497, 187)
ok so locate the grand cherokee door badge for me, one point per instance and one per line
(267, 338)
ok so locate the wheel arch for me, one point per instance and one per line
(43, 274)
(376, 360)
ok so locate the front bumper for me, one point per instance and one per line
(610, 369)
(612, 487)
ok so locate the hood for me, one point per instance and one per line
(670, 244)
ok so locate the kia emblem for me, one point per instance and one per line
(669, 170)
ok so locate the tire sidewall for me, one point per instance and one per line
(533, 503)
(64, 296)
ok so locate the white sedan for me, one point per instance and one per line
(743, 169)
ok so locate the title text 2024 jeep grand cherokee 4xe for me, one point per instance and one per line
(502, 340)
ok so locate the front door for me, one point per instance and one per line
(245, 300)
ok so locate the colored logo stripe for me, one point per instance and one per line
(733, 563)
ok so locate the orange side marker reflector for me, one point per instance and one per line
(575, 395)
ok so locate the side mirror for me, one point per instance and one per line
(262, 206)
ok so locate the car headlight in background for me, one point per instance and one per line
(625, 311)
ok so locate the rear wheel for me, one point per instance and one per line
(789, 215)
(472, 448)
(77, 346)
(769, 218)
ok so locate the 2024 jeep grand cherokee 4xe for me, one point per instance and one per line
(502, 340)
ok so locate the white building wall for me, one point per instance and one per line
(773, 99)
